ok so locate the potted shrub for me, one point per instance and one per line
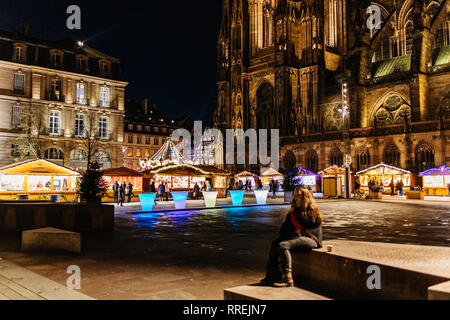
(289, 184)
(92, 187)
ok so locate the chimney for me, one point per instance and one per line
(144, 105)
(26, 29)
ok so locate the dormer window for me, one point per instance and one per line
(56, 58)
(19, 54)
(105, 67)
(82, 63)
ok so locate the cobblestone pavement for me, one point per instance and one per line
(196, 254)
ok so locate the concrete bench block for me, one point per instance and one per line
(51, 240)
(257, 292)
(439, 292)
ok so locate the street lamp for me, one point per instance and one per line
(346, 138)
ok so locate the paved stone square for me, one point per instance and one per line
(197, 254)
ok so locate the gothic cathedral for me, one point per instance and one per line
(282, 63)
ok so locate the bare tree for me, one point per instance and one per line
(91, 139)
(30, 142)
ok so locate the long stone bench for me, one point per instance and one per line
(407, 271)
(51, 240)
(256, 292)
(439, 292)
(78, 217)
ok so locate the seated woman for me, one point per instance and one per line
(302, 229)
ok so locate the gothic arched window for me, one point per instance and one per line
(312, 161)
(336, 158)
(362, 159)
(424, 156)
(392, 155)
(289, 161)
(264, 97)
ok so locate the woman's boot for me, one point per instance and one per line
(286, 281)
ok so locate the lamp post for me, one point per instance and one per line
(346, 138)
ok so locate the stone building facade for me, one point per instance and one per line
(282, 65)
(145, 131)
(71, 83)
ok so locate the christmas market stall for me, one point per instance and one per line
(38, 180)
(123, 175)
(436, 182)
(333, 181)
(307, 179)
(168, 165)
(244, 176)
(383, 175)
(271, 174)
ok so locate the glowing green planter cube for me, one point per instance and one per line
(237, 196)
(147, 201)
(261, 196)
(180, 199)
(210, 198)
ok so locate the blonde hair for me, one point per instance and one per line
(304, 200)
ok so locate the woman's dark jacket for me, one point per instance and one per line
(288, 230)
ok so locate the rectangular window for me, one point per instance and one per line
(104, 97)
(80, 126)
(19, 83)
(139, 140)
(56, 59)
(138, 153)
(130, 139)
(19, 54)
(130, 152)
(16, 116)
(147, 140)
(139, 128)
(147, 153)
(155, 141)
(130, 127)
(56, 90)
(147, 129)
(103, 128)
(54, 128)
(81, 93)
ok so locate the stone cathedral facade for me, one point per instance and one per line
(281, 65)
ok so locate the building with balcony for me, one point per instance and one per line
(79, 90)
(146, 129)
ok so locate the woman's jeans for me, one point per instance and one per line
(280, 251)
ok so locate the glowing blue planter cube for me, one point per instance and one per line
(261, 196)
(147, 201)
(237, 196)
(210, 198)
(180, 199)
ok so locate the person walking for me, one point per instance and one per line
(121, 195)
(116, 192)
(153, 187)
(302, 228)
(166, 190)
(153, 190)
(129, 192)
(392, 186)
(161, 191)
(196, 192)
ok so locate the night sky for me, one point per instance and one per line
(167, 49)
